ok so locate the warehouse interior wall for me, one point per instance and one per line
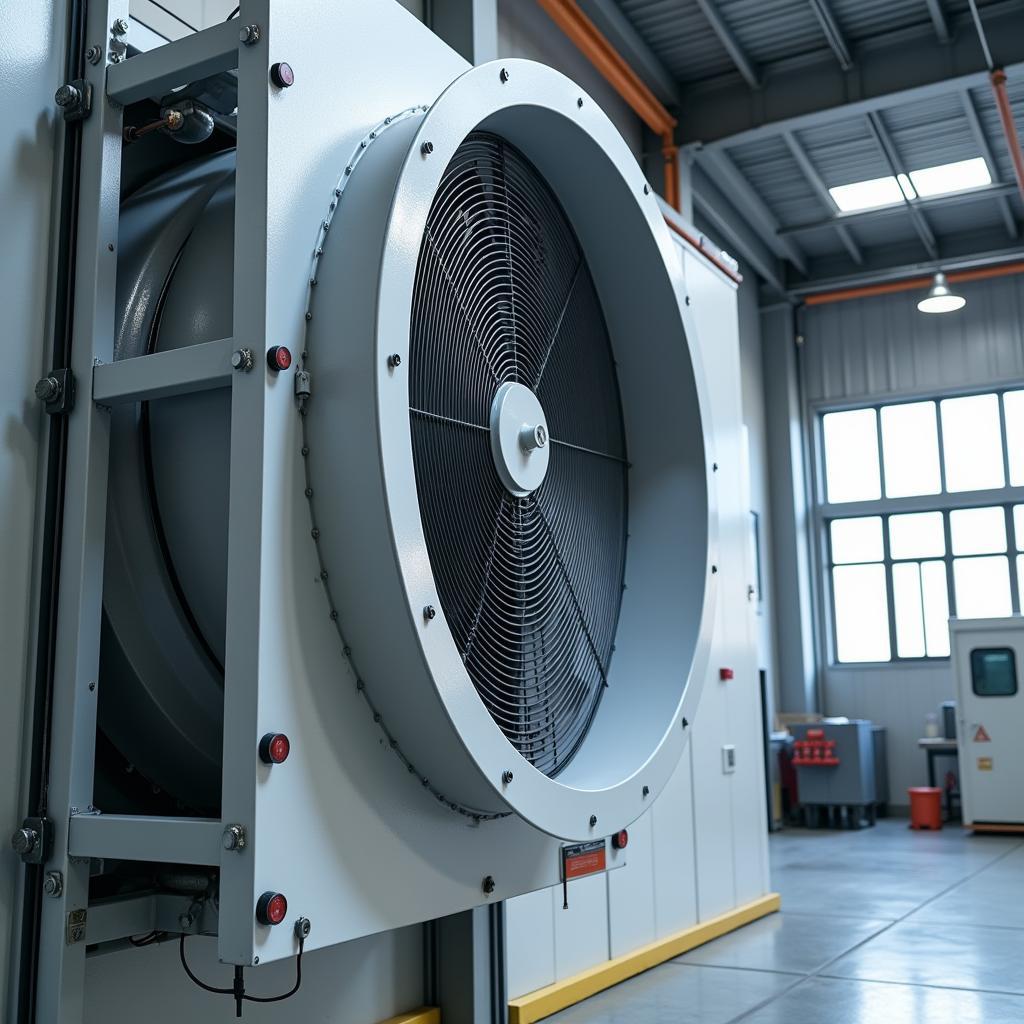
(864, 351)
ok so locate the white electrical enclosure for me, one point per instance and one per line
(459, 548)
(988, 658)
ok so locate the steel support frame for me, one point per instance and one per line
(731, 44)
(80, 832)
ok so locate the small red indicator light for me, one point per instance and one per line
(621, 839)
(271, 908)
(274, 748)
(725, 674)
(279, 357)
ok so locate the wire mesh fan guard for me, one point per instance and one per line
(530, 586)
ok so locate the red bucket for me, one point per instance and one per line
(925, 807)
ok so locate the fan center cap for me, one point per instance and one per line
(519, 439)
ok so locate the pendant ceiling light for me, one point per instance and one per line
(940, 299)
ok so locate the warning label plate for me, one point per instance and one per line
(583, 859)
(982, 736)
(984, 764)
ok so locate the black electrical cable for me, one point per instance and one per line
(233, 14)
(177, 17)
(238, 988)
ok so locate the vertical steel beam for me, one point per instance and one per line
(978, 131)
(814, 179)
(732, 46)
(61, 976)
(469, 27)
(885, 143)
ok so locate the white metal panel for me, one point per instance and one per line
(530, 941)
(581, 932)
(675, 861)
(631, 891)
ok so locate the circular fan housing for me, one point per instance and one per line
(507, 447)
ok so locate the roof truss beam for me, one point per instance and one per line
(833, 33)
(978, 131)
(938, 17)
(815, 180)
(726, 37)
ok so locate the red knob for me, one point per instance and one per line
(274, 748)
(621, 839)
(271, 908)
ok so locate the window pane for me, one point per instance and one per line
(907, 607)
(1018, 526)
(1013, 409)
(862, 618)
(982, 587)
(917, 535)
(977, 531)
(857, 540)
(936, 608)
(910, 448)
(851, 455)
(972, 443)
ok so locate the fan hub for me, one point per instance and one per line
(519, 439)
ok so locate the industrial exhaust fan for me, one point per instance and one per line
(407, 533)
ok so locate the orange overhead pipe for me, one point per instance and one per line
(568, 16)
(912, 283)
(998, 78)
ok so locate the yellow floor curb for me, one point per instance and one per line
(424, 1015)
(536, 1005)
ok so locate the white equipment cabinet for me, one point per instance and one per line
(988, 658)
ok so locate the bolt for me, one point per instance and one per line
(579, 102)
(504, 76)
(687, 299)
(24, 841)
(302, 928)
(242, 359)
(427, 148)
(714, 467)
(282, 75)
(394, 360)
(94, 54)
(647, 791)
(53, 883)
(429, 612)
(249, 35)
(67, 95)
(120, 27)
(47, 389)
(506, 777)
(593, 820)
(488, 885)
(647, 189)
(714, 569)
(685, 723)
(233, 838)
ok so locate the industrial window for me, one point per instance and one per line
(922, 517)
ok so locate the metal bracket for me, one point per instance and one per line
(56, 392)
(76, 926)
(74, 99)
(33, 842)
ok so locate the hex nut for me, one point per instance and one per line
(53, 884)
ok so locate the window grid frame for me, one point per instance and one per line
(944, 502)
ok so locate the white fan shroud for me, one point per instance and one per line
(362, 471)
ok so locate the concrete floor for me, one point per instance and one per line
(881, 926)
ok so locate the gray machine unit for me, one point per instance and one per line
(837, 765)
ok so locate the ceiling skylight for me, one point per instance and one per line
(946, 178)
(929, 181)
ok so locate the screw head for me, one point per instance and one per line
(94, 54)
(120, 27)
(394, 360)
(488, 885)
(429, 612)
(593, 820)
(53, 884)
(67, 95)
(647, 189)
(24, 840)
(504, 75)
(282, 75)
(685, 723)
(579, 102)
(646, 791)
(427, 148)
(506, 777)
